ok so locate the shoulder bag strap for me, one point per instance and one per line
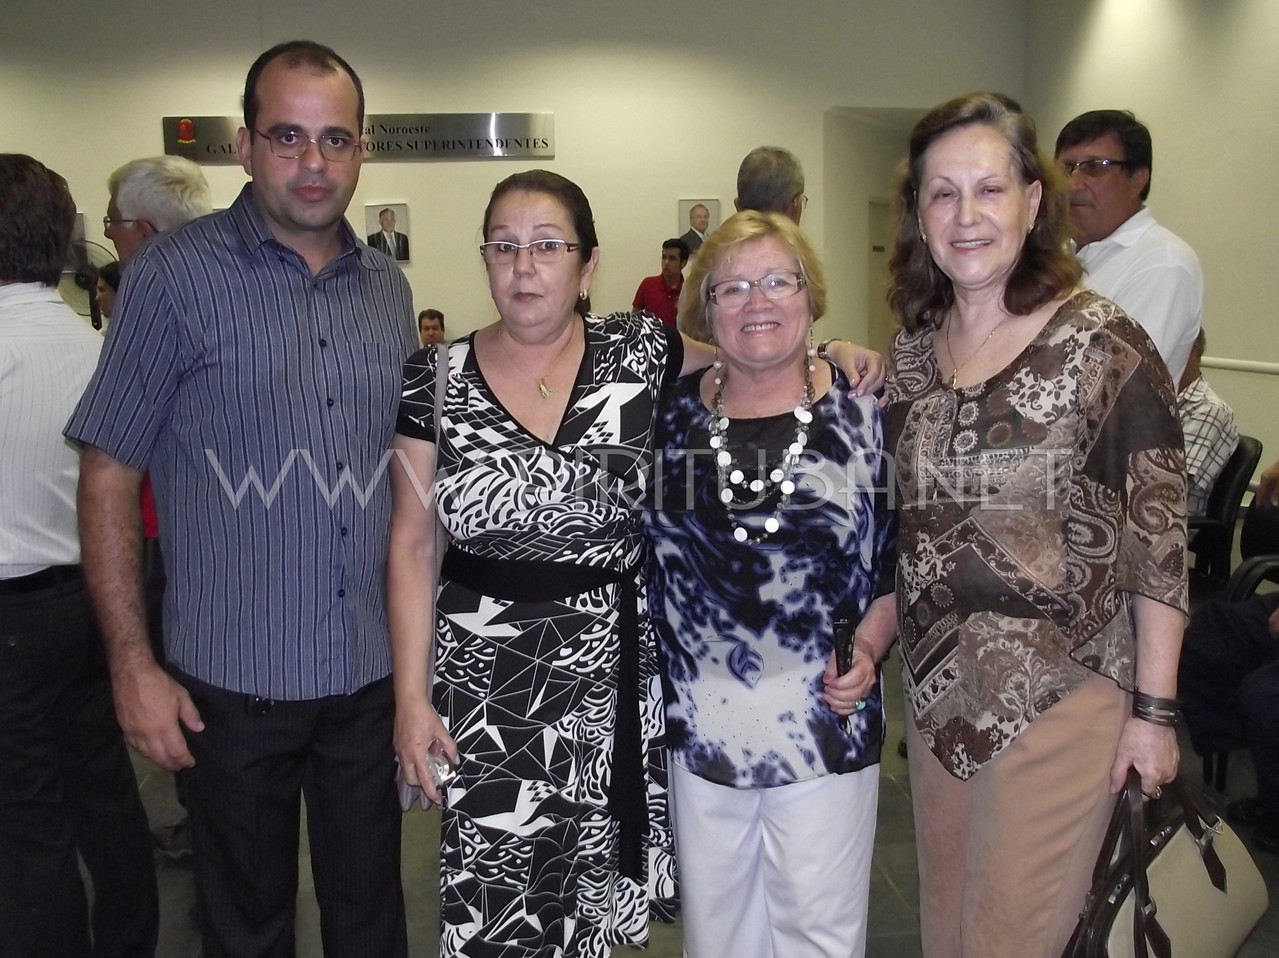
(441, 387)
(1201, 824)
(1145, 926)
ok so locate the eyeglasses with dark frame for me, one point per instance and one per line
(1092, 168)
(733, 293)
(500, 252)
(291, 144)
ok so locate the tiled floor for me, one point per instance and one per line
(894, 900)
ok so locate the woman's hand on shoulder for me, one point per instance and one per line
(865, 368)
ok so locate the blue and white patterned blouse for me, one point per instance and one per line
(745, 629)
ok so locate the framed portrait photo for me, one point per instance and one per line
(695, 220)
(386, 228)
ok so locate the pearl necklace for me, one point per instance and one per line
(735, 490)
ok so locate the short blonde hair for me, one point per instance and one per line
(733, 232)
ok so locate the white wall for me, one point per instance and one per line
(861, 151)
(1204, 76)
(652, 102)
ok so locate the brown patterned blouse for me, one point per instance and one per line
(1032, 507)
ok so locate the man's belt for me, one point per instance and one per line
(44, 579)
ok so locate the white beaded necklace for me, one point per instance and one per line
(736, 491)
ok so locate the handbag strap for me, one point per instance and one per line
(1145, 924)
(441, 387)
(1202, 825)
(440, 544)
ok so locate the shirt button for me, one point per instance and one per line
(323, 343)
(341, 593)
(344, 532)
(329, 401)
(341, 466)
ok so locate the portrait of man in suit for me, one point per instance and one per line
(701, 216)
(387, 238)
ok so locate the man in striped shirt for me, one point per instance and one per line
(253, 369)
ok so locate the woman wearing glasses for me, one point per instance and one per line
(554, 837)
(769, 535)
(1042, 497)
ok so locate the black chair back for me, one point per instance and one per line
(1212, 535)
(1260, 532)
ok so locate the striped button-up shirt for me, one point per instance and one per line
(262, 400)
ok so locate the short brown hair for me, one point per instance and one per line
(919, 292)
(37, 215)
(733, 232)
(297, 53)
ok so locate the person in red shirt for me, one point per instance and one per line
(659, 294)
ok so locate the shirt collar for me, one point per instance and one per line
(22, 294)
(1126, 233)
(254, 233)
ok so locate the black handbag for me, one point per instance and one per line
(1185, 888)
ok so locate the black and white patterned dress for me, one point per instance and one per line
(534, 856)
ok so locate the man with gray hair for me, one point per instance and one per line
(151, 195)
(771, 180)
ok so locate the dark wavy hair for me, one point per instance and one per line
(37, 215)
(919, 292)
(565, 192)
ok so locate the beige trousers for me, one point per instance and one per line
(1006, 858)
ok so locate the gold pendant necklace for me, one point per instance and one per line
(954, 371)
(543, 389)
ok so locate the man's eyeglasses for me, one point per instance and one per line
(733, 293)
(290, 144)
(1092, 168)
(110, 221)
(543, 251)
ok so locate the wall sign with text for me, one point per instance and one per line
(387, 136)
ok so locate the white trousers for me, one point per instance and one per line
(775, 872)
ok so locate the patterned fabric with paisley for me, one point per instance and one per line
(1032, 507)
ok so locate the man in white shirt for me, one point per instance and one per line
(67, 788)
(1148, 270)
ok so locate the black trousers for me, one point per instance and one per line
(1229, 685)
(254, 762)
(67, 787)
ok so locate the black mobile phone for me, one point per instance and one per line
(843, 645)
